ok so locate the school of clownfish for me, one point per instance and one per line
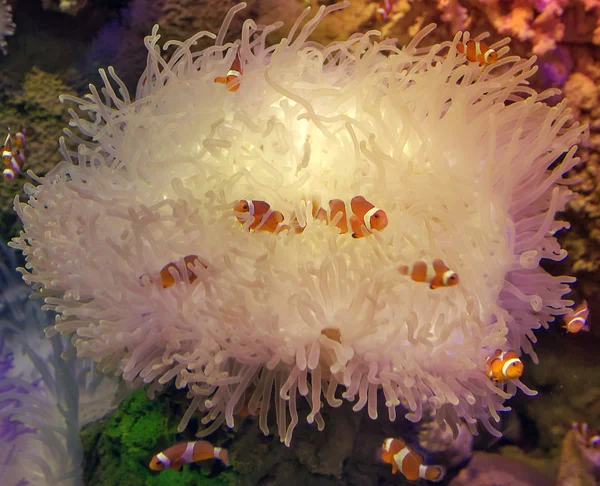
(13, 154)
(257, 215)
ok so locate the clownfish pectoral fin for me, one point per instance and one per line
(394, 467)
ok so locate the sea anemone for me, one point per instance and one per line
(466, 160)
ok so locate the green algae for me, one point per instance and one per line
(119, 448)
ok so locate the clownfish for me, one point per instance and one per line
(383, 10)
(478, 52)
(234, 74)
(13, 155)
(586, 436)
(335, 206)
(436, 274)
(576, 320)
(366, 215)
(410, 463)
(186, 452)
(167, 279)
(504, 366)
(265, 219)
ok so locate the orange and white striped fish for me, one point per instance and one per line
(576, 320)
(436, 274)
(478, 52)
(404, 459)
(265, 219)
(335, 206)
(504, 366)
(586, 436)
(167, 279)
(13, 155)
(384, 10)
(186, 452)
(232, 78)
(366, 216)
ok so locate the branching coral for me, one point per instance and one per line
(468, 163)
(44, 399)
(546, 22)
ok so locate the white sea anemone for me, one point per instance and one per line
(459, 156)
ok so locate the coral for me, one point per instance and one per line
(579, 466)
(492, 470)
(468, 162)
(7, 26)
(44, 398)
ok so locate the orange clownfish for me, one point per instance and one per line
(478, 52)
(265, 219)
(576, 320)
(335, 206)
(175, 456)
(383, 10)
(504, 366)
(436, 275)
(13, 155)
(167, 278)
(233, 75)
(411, 464)
(366, 215)
(586, 436)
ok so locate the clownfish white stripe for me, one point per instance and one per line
(164, 460)
(265, 217)
(487, 54)
(430, 275)
(188, 455)
(367, 218)
(422, 471)
(477, 50)
(388, 444)
(233, 72)
(508, 363)
(216, 452)
(399, 458)
(250, 208)
(577, 319)
(446, 275)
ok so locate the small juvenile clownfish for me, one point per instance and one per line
(504, 366)
(403, 458)
(186, 452)
(576, 320)
(13, 155)
(7, 150)
(366, 215)
(478, 52)
(234, 74)
(383, 10)
(265, 219)
(586, 436)
(167, 279)
(436, 275)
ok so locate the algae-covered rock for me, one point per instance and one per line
(32, 105)
(119, 448)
